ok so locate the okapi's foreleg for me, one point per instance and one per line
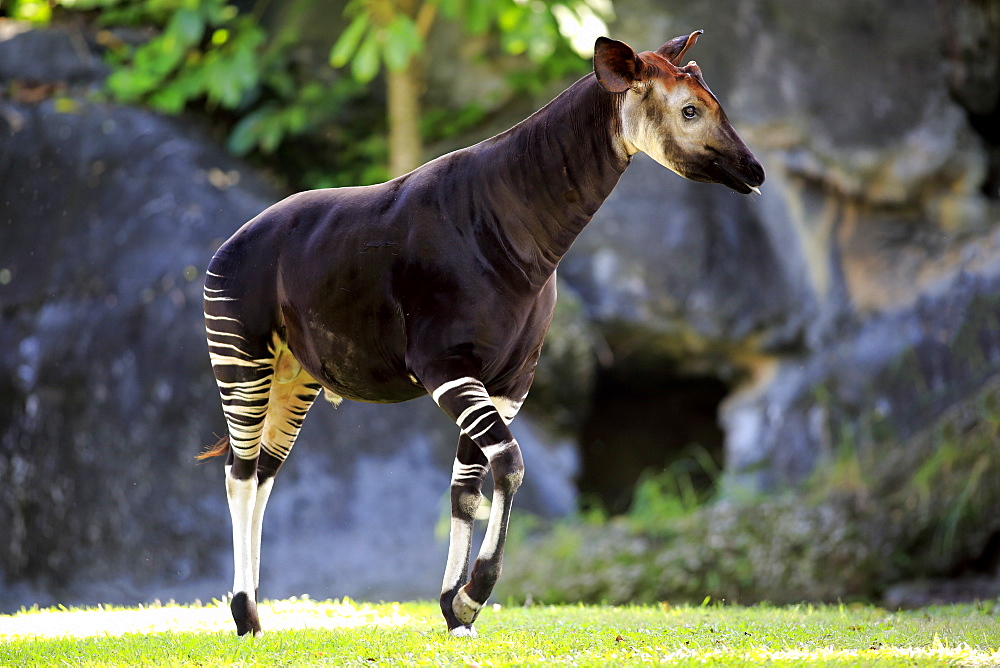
(468, 403)
(467, 476)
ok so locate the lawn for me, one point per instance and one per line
(301, 631)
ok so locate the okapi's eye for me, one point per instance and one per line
(689, 111)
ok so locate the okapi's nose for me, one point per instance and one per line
(755, 171)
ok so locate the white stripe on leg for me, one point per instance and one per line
(459, 542)
(263, 492)
(460, 538)
(507, 408)
(442, 389)
(242, 496)
(495, 528)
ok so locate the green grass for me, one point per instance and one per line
(346, 633)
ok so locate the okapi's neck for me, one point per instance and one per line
(552, 172)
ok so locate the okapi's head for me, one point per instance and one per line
(670, 114)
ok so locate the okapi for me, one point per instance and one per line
(441, 282)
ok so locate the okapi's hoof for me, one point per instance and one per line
(245, 615)
(466, 610)
(463, 631)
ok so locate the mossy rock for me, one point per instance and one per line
(865, 521)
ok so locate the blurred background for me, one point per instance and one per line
(784, 398)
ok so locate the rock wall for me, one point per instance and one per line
(855, 303)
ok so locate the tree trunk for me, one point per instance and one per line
(403, 98)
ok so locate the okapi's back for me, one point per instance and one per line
(287, 233)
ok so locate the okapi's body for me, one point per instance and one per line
(439, 282)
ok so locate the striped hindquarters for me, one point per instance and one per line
(242, 370)
(265, 392)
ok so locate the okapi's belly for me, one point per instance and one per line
(375, 386)
(353, 370)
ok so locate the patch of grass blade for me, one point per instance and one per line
(347, 633)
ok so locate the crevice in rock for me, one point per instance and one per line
(989, 128)
(987, 562)
(971, 45)
(645, 420)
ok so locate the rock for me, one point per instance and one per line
(972, 42)
(880, 518)
(872, 217)
(849, 307)
(899, 371)
(703, 270)
(926, 593)
(63, 55)
(564, 378)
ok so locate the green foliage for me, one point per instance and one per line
(437, 123)
(207, 53)
(339, 633)
(35, 11)
(210, 54)
(368, 43)
(384, 33)
(660, 498)
(266, 126)
(204, 49)
(770, 549)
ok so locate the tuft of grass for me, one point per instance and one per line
(306, 632)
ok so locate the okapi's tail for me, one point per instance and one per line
(217, 450)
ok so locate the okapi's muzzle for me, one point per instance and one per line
(735, 166)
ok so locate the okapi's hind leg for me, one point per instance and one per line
(293, 392)
(280, 411)
(265, 397)
(245, 386)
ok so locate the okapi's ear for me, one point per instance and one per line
(616, 65)
(675, 49)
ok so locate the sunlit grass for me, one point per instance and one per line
(301, 631)
(292, 614)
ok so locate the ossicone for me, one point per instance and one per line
(674, 50)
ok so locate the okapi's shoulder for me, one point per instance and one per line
(325, 210)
